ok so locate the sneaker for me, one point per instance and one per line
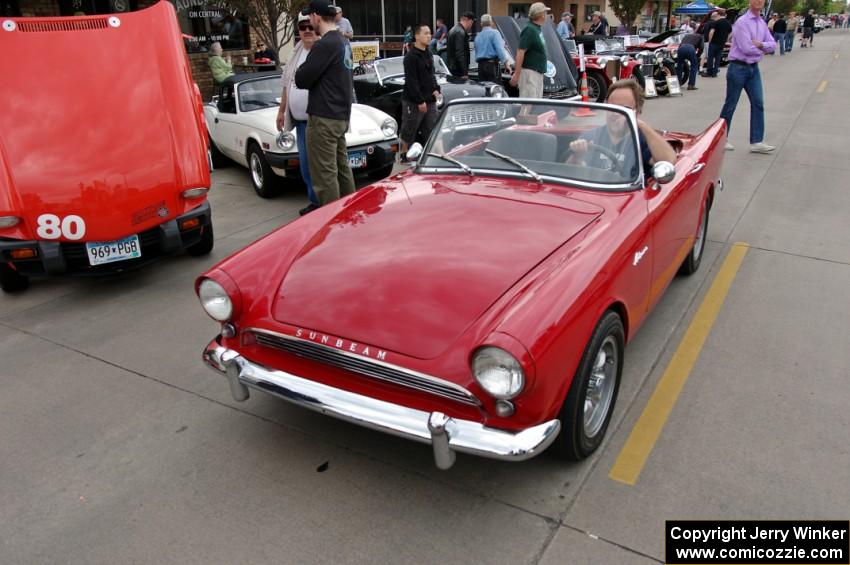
(690, 87)
(307, 209)
(729, 147)
(761, 147)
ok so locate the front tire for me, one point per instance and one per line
(205, 245)
(597, 88)
(12, 281)
(590, 401)
(694, 258)
(265, 182)
(381, 172)
(638, 76)
(219, 161)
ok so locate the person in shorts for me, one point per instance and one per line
(531, 58)
(419, 97)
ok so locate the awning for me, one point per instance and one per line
(696, 8)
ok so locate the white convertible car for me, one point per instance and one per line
(241, 124)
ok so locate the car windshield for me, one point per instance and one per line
(394, 67)
(259, 94)
(535, 140)
(607, 44)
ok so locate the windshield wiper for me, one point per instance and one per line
(513, 161)
(465, 168)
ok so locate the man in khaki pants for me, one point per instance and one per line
(327, 75)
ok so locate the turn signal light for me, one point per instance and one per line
(394, 147)
(190, 224)
(23, 253)
(292, 163)
(9, 221)
(194, 193)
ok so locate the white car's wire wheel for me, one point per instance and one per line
(266, 183)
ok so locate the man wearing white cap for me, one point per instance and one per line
(531, 57)
(343, 25)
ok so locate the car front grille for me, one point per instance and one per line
(362, 366)
(468, 114)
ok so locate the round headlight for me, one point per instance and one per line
(602, 61)
(659, 56)
(389, 127)
(498, 372)
(625, 59)
(497, 91)
(214, 299)
(286, 140)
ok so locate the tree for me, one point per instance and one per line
(627, 11)
(274, 21)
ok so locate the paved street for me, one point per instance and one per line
(118, 446)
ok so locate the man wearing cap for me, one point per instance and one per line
(326, 73)
(457, 46)
(531, 54)
(599, 25)
(565, 27)
(489, 51)
(343, 25)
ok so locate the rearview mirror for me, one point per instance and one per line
(663, 171)
(414, 152)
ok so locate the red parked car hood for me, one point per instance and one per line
(90, 126)
(408, 267)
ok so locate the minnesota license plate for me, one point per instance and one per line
(111, 251)
(357, 159)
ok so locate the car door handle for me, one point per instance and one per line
(697, 168)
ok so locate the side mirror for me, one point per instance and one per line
(414, 152)
(663, 171)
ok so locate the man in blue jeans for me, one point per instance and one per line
(689, 50)
(751, 39)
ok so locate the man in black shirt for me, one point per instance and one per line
(327, 75)
(419, 97)
(717, 38)
(457, 46)
(780, 26)
(689, 50)
(808, 29)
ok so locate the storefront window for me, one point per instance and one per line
(399, 15)
(9, 8)
(446, 10)
(364, 15)
(92, 7)
(207, 23)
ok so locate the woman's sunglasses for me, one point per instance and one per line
(305, 27)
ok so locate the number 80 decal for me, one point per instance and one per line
(51, 226)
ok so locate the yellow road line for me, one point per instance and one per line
(821, 87)
(642, 439)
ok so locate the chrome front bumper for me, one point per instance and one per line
(447, 435)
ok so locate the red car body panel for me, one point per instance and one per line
(107, 125)
(380, 275)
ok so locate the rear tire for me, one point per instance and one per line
(12, 281)
(264, 180)
(597, 88)
(205, 246)
(638, 76)
(590, 401)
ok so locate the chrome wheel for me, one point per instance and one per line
(256, 170)
(600, 387)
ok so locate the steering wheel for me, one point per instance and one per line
(613, 157)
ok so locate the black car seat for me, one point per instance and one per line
(525, 145)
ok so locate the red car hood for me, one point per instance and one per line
(103, 125)
(408, 267)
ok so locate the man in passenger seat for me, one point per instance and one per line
(613, 135)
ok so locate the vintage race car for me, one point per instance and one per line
(380, 84)
(603, 69)
(482, 301)
(241, 121)
(91, 180)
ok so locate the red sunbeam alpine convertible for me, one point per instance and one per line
(480, 302)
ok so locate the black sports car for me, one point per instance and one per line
(380, 85)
